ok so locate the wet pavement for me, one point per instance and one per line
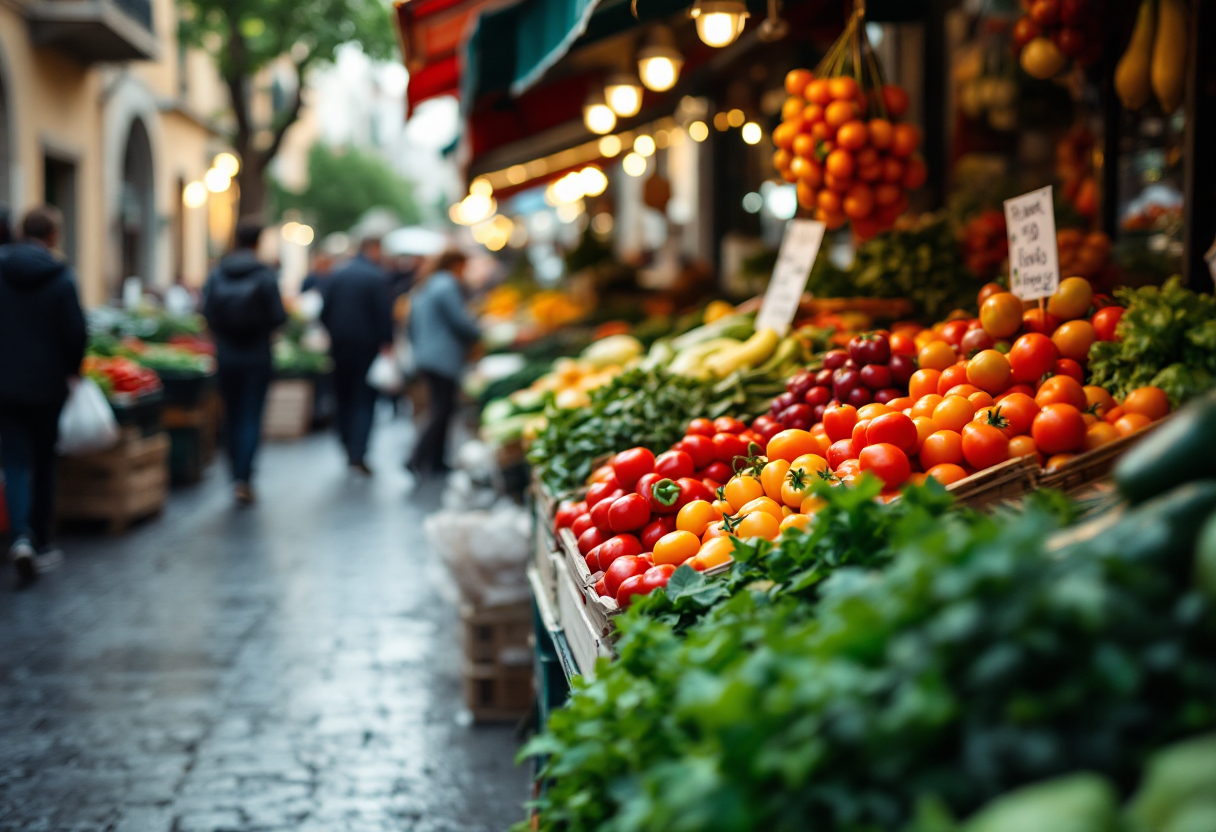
(295, 666)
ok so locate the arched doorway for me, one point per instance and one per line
(137, 210)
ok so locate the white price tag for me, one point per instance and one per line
(799, 248)
(1034, 260)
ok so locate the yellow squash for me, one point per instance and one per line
(1169, 54)
(1133, 76)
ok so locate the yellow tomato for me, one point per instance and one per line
(715, 553)
(696, 517)
(936, 355)
(795, 521)
(812, 504)
(773, 476)
(675, 548)
(872, 411)
(759, 524)
(742, 490)
(764, 504)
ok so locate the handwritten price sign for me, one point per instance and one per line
(799, 248)
(1034, 260)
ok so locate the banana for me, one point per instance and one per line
(1133, 76)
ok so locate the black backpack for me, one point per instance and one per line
(237, 307)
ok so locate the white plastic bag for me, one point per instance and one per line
(384, 376)
(87, 423)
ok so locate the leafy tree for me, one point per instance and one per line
(343, 184)
(248, 36)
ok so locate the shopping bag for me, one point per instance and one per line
(87, 423)
(384, 375)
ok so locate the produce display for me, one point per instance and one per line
(120, 378)
(301, 347)
(1154, 63)
(843, 142)
(1053, 32)
(905, 665)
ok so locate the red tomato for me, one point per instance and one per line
(599, 511)
(692, 489)
(656, 577)
(984, 445)
(599, 587)
(838, 422)
(728, 424)
(1040, 321)
(629, 587)
(1032, 357)
(699, 447)
(581, 524)
(892, 429)
(951, 377)
(858, 437)
(655, 530)
(621, 570)
(1059, 429)
(674, 464)
(567, 513)
(1105, 322)
(727, 446)
(888, 463)
(841, 451)
(622, 545)
(591, 538)
(953, 332)
(701, 427)
(600, 490)
(1019, 411)
(629, 513)
(604, 474)
(664, 501)
(631, 465)
(1061, 390)
(1070, 368)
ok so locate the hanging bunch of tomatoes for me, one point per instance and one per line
(1053, 32)
(841, 140)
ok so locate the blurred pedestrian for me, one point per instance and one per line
(42, 341)
(243, 308)
(359, 316)
(441, 331)
(318, 273)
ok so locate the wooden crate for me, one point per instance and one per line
(588, 639)
(119, 486)
(1010, 480)
(1083, 470)
(497, 635)
(498, 693)
(192, 438)
(288, 413)
(600, 611)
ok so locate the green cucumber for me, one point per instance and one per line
(1182, 450)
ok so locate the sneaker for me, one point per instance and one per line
(48, 560)
(244, 494)
(22, 554)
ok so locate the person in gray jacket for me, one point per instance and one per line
(441, 331)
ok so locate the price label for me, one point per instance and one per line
(1034, 260)
(799, 248)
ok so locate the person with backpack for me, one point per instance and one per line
(358, 313)
(243, 308)
(42, 341)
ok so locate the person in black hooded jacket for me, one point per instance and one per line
(42, 341)
(243, 308)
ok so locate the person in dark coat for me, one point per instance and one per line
(42, 341)
(441, 332)
(243, 308)
(359, 316)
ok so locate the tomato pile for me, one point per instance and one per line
(120, 376)
(1085, 255)
(986, 243)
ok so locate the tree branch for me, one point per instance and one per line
(235, 79)
(292, 115)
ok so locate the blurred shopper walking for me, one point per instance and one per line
(441, 331)
(42, 341)
(359, 316)
(243, 307)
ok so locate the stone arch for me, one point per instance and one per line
(137, 221)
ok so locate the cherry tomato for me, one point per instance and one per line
(791, 444)
(700, 448)
(621, 545)
(1020, 446)
(600, 490)
(1129, 423)
(990, 371)
(1040, 321)
(701, 427)
(629, 513)
(839, 452)
(951, 377)
(1059, 429)
(1073, 339)
(1019, 411)
(1070, 368)
(567, 513)
(1100, 434)
(591, 538)
(1147, 401)
(581, 524)
(727, 446)
(728, 424)
(984, 445)
(953, 413)
(656, 577)
(1032, 356)
(923, 383)
(942, 447)
(1001, 315)
(622, 569)
(892, 429)
(676, 547)
(599, 511)
(1061, 390)
(895, 100)
(655, 529)
(1071, 299)
(925, 405)
(838, 422)
(718, 472)
(1106, 321)
(631, 465)
(691, 490)
(947, 473)
(953, 332)
(629, 587)
(661, 501)
(674, 464)
(697, 516)
(759, 524)
(887, 462)
(604, 474)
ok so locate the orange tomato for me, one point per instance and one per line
(953, 413)
(902, 343)
(853, 136)
(812, 504)
(936, 355)
(818, 92)
(1071, 299)
(952, 377)
(1061, 390)
(872, 411)
(1100, 434)
(1074, 338)
(741, 490)
(715, 553)
(844, 88)
(881, 133)
(1098, 399)
(1129, 423)
(984, 445)
(924, 382)
(989, 371)
(1147, 401)
(840, 163)
(1020, 446)
(675, 548)
(696, 517)
(901, 403)
(1058, 461)
(796, 81)
(858, 202)
(784, 133)
(925, 405)
(840, 113)
(947, 473)
(829, 202)
(794, 107)
(941, 447)
(788, 445)
(1019, 410)
(905, 140)
(925, 427)
(1001, 315)
(980, 399)
(772, 476)
(1058, 429)
(759, 524)
(795, 521)
(763, 504)
(1113, 415)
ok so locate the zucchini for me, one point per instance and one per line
(1182, 450)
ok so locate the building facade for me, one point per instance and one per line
(103, 115)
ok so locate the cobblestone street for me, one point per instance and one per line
(295, 666)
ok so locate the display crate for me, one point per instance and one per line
(185, 389)
(586, 621)
(1010, 480)
(288, 413)
(140, 412)
(118, 486)
(192, 434)
(497, 634)
(498, 693)
(1084, 469)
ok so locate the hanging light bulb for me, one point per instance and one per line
(659, 62)
(597, 115)
(624, 94)
(719, 22)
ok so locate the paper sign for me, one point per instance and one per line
(1034, 260)
(799, 249)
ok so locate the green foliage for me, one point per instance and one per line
(978, 659)
(1167, 339)
(343, 184)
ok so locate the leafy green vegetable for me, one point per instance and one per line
(1167, 339)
